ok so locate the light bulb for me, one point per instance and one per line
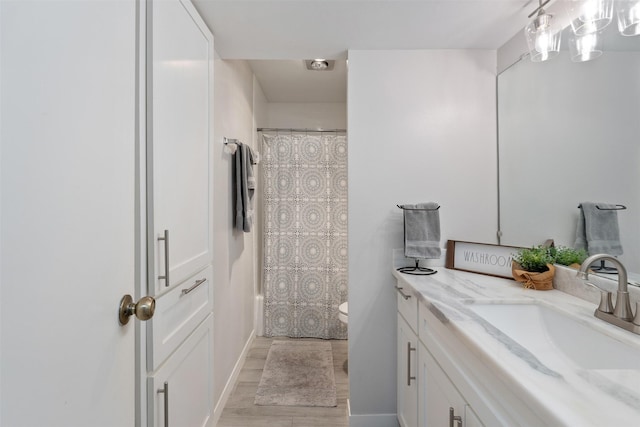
(589, 16)
(629, 17)
(585, 48)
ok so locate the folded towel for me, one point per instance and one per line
(421, 230)
(597, 229)
(249, 162)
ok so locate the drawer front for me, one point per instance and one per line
(178, 312)
(408, 305)
(424, 318)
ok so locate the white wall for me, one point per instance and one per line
(307, 115)
(421, 127)
(260, 108)
(233, 265)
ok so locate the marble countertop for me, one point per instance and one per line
(561, 392)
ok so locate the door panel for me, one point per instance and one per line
(68, 136)
(188, 375)
(180, 115)
(407, 390)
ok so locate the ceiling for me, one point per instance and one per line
(289, 31)
(288, 80)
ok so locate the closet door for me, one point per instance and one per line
(68, 209)
(180, 130)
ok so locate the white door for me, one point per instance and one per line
(68, 165)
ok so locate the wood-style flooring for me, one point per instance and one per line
(241, 412)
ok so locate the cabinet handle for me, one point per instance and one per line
(402, 293)
(165, 390)
(165, 238)
(198, 283)
(409, 350)
(454, 418)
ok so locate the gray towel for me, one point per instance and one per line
(245, 187)
(597, 229)
(421, 230)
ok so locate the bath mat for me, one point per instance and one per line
(298, 373)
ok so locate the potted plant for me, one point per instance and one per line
(568, 256)
(533, 267)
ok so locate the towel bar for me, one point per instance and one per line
(617, 208)
(416, 209)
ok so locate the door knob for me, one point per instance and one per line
(143, 309)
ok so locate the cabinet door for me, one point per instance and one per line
(182, 388)
(407, 385)
(180, 117)
(437, 396)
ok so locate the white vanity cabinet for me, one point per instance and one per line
(426, 396)
(440, 402)
(407, 353)
(179, 134)
(450, 376)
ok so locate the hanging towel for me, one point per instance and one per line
(245, 185)
(597, 229)
(421, 230)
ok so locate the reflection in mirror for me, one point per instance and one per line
(568, 133)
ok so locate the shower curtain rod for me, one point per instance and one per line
(299, 130)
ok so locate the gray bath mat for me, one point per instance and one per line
(298, 373)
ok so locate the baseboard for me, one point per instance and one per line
(231, 382)
(259, 315)
(373, 420)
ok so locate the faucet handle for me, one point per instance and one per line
(606, 306)
(636, 319)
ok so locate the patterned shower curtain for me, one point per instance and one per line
(305, 234)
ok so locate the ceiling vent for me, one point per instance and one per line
(319, 64)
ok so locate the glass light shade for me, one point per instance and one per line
(589, 16)
(543, 38)
(585, 48)
(628, 17)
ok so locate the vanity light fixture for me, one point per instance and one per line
(543, 35)
(585, 48)
(628, 12)
(589, 16)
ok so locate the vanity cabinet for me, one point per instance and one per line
(440, 402)
(426, 396)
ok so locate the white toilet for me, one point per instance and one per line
(343, 312)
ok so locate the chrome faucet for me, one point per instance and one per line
(620, 315)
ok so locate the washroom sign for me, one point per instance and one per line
(483, 258)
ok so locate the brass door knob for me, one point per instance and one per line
(143, 309)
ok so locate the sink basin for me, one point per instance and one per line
(547, 333)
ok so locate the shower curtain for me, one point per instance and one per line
(305, 234)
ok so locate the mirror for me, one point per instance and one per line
(570, 132)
